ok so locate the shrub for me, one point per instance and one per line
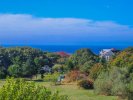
(59, 68)
(95, 71)
(19, 89)
(103, 84)
(73, 75)
(86, 84)
(124, 58)
(52, 77)
(130, 90)
(116, 81)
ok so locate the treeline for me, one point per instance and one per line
(23, 61)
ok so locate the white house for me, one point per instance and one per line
(106, 53)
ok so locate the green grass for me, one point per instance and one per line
(76, 93)
(73, 91)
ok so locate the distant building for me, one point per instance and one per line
(107, 53)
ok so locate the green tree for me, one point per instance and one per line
(15, 70)
(123, 59)
(84, 59)
(2, 72)
(70, 65)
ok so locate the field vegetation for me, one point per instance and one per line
(80, 76)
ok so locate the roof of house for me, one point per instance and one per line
(63, 54)
(106, 52)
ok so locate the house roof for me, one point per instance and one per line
(106, 52)
(63, 54)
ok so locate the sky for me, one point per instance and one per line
(66, 22)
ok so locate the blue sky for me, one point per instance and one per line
(66, 22)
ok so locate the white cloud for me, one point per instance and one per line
(21, 27)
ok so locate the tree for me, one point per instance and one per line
(2, 72)
(29, 60)
(84, 59)
(123, 59)
(70, 65)
(15, 70)
(96, 70)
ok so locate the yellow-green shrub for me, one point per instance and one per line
(19, 89)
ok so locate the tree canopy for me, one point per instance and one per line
(84, 59)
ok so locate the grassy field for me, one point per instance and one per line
(73, 91)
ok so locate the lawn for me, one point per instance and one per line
(73, 91)
(76, 93)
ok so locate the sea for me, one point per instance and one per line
(70, 48)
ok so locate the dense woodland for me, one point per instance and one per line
(114, 77)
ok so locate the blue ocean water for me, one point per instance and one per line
(69, 48)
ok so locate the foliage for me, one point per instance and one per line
(22, 61)
(130, 90)
(124, 59)
(84, 59)
(86, 84)
(15, 70)
(75, 75)
(114, 82)
(2, 73)
(70, 65)
(53, 56)
(95, 71)
(19, 89)
(59, 68)
(62, 60)
(52, 77)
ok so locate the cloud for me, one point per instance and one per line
(23, 28)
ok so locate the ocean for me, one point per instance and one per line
(69, 48)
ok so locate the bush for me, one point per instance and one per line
(116, 81)
(130, 90)
(86, 84)
(19, 89)
(59, 68)
(95, 71)
(103, 84)
(74, 75)
(52, 78)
